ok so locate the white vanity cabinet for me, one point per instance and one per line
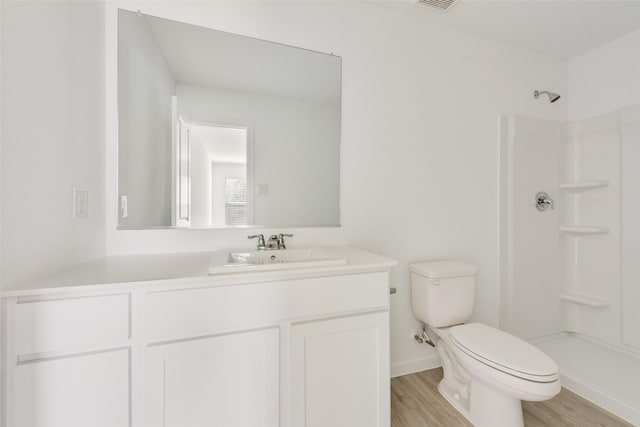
(305, 348)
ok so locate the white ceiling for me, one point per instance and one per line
(223, 145)
(207, 57)
(559, 28)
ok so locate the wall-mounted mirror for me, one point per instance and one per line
(219, 130)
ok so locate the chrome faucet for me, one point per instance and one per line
(276, 241)
(261, 245)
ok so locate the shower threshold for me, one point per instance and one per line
(606, 376)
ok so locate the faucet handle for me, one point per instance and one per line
(281, 236)
(260, 237)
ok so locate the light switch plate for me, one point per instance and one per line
(262, 189)
(124, 206)
(80, 203)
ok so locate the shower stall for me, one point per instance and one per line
(570, 276)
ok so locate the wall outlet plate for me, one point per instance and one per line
(80, 203)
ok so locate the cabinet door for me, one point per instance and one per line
(341, 372)
(230, 380)
(79, 391)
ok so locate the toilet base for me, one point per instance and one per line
(454, 398)
(489, 407)
(481, 404)
(454, 386)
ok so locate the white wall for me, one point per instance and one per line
(420, 136)
(145, 89)
(605, 79)
(531, 248)
(52, 135)
(282, 148)
(200, 178)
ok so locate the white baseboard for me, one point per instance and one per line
(412, 366)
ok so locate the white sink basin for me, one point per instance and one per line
(226, 262)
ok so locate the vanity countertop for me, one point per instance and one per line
(108, 273)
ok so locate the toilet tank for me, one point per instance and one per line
(442, 292)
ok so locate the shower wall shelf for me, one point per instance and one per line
(583, 230)
(578, 298)
(580, 186)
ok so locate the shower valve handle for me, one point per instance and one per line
(543, 201)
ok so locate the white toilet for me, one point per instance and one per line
(487, 372)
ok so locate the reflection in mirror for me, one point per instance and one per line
(221, 130)
(219, 176)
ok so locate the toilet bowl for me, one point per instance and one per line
(487, 372)
(513, 364)
(504, 370)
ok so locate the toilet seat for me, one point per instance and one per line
(504, 352)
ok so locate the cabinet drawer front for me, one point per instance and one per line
(68, 324)
(179, 314)
(85, 391)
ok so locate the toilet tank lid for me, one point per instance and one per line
(443, 269)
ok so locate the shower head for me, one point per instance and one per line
(553, 97)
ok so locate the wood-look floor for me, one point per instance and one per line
(416, 402)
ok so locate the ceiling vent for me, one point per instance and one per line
(438, 4)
